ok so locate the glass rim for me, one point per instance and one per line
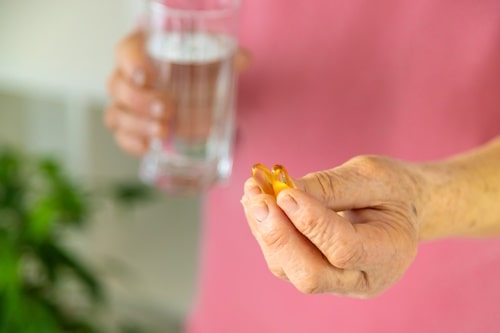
(160, 5)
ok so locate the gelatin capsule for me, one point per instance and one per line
(264, 178)
(281, 179)
(272, 181)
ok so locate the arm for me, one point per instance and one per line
(354, 229)
(462, 194)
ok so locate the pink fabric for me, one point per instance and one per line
(333, 79)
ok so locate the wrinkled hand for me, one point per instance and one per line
(138, 112)
(351, 230)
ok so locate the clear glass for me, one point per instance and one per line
(192, 44)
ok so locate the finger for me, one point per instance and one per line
(252, 188)
(144, 101)
(333, 235)
(133, 145)
(263, 178)
(133, 60)
(290, 253)
(255, 206)
(136, 125)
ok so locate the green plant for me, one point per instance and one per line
(38, 203)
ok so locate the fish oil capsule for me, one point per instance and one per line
(272, 181)
(264, 178)
(281, 179)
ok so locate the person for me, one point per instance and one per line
(329, 81)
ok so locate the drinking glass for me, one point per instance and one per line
(191, 45)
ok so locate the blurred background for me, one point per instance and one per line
(55, 57)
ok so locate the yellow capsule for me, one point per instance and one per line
(264, 178)
(281, 179)
(272, 181)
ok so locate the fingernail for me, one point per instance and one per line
(253, 191)
(288, 203)
(139, 77)
(260, 211)
(157, 109)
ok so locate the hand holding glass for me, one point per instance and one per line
(191, 45)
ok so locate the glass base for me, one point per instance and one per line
(183, 176)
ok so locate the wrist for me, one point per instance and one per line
(460, 195)
(437, 181)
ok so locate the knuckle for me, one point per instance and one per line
(277, 271)
(368, 165)
(309, 284)
(273, 239)
(324, 183)
(350, 283)
(312, 228)
(365, 292)
(346, 254)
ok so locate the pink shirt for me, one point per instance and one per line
(332, 79)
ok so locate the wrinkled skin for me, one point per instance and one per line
(351, 230)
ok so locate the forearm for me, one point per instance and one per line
(460, 196)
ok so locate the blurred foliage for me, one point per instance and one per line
(38, 202)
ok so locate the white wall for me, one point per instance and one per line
(63, 45)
